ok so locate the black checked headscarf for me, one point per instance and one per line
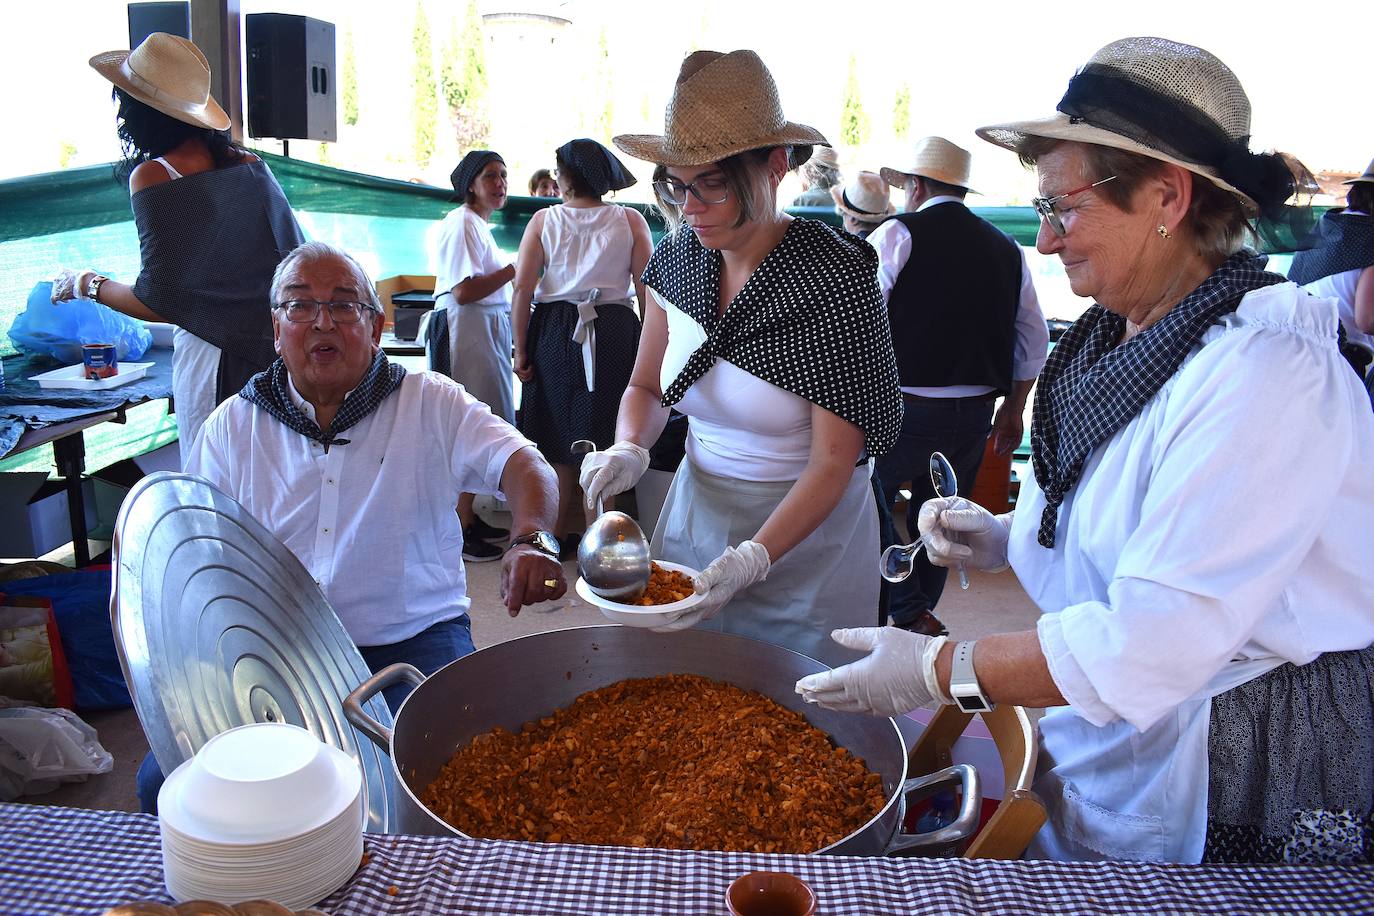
(1091, 387)
(601, 171)
(268, 390)
(1343, 241)
(809, 320)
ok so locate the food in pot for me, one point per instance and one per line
(665, 586)
(677, 761)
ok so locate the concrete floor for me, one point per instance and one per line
(993, 604)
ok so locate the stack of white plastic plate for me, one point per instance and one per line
(262, 811)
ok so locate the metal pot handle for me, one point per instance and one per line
(353, 703)
(960, 829)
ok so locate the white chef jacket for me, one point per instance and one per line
(892, 241)
(372, 521)
(1221, 532)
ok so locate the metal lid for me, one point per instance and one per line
(218, 624)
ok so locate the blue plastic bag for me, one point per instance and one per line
(60, 329)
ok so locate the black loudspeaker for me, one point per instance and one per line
(291, 85)
(147, 18)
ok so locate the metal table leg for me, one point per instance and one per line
(69, 453)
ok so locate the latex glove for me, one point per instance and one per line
(613, 471)
(70, 284)
(896, 677)
(957, 530)
(737, 568)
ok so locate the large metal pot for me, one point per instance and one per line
(510, 683)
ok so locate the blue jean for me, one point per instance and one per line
(959, 428)
(429, 650)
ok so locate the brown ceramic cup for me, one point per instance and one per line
(770, 893)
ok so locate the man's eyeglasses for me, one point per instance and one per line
(340, 311)
(1045, 206)
(709, 189)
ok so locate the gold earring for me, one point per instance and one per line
(1164, 232)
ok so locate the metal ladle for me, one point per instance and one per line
(898, 561)
(613, 556)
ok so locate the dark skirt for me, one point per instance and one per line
(1291, 765)
(556, 408)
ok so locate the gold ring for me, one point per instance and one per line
(551, 583)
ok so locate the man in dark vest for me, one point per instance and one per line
(967, 330)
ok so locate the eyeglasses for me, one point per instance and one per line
(709, 189)
(341, 312)
(1045, 206)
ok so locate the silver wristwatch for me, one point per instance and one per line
(93, 288)
(963, 682)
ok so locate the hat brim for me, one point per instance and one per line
(110, 65)
(897, 179)
(1363, 179)
(658, 150)
(837, 194)
(1060, 127)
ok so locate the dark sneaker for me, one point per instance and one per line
(476, 550)
(567, 547)
(482, 531)
(924, 623)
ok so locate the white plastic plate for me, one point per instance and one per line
(75, 377)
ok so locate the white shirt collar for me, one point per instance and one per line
(301, 403)
(939, 199)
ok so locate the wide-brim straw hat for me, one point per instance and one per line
(167, 73)
(722, 104)
(1185, 78)
(865, 198)
(825, 156)
(935, 158)
(1367, 177)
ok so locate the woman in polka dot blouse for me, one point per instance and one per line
(768, 333)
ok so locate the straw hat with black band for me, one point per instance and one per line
(167, 73)
(722, 104)
(865, 198)
(1168, 101)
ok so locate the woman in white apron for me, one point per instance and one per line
(1196, 530)
(769, 333)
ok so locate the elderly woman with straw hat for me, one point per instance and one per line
(768, 333)
(212, 222)
(1196, 528)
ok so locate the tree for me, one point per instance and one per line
(463, 80)
(853, 120)
(425, 106)
(901, 112)
(350, 80)
(604, 81)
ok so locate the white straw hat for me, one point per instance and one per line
(865, 198)
(1367, 177)
(1133, 90)
(168, 73)
(722, 104)
(935, 158)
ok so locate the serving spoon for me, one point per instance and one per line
(898, 561)
(613, 556)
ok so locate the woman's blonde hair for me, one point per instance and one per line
(748, 179)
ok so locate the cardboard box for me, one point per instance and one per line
(399, 284)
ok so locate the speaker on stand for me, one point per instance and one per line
(291, 84)
(147, 18)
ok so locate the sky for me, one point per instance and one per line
(966, 65)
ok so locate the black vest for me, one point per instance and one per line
(953, 306)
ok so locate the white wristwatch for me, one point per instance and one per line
(963, 682)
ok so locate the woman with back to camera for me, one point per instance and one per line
(1195, 531)
(768, 332)
(575, 354)
(212, 222)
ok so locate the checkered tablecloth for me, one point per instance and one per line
(69, 860)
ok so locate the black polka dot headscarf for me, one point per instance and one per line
(601, 171)
(466, 172)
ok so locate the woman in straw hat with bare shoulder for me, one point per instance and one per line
(1196, 529)
(212, 226)
(768, 332)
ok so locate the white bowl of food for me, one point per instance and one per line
(667, 579)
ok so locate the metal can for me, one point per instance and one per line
(100, 360)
